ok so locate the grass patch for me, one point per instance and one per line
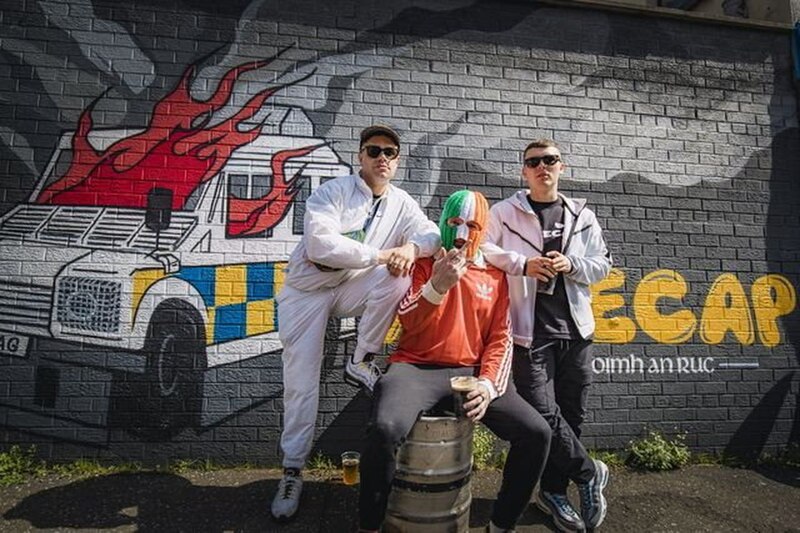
(705, 458)
(720, 459)
(609, 457)
(18, 465)
(652, 453)
(485, 452)
(656, 453)
(180, 466)
(323, 464)
(91, 468)
(787, 457)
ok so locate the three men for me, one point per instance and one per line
(455, 322)
(361, 237)
(552, 249)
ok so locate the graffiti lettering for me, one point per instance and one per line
(671, 328)
(15, 345)
(773, 297)
(727, 309)
(633, 364)
(10, 344)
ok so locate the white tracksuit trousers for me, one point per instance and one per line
(371, 293)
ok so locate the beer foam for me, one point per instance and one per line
(463, 383)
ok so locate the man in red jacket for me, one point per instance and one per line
(455, 322)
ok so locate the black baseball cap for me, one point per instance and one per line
(379, 129)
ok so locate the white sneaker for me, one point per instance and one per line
(364, 374)
(287, 500)
(593, 503)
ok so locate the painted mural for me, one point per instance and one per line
(165, 235)
(149, 214)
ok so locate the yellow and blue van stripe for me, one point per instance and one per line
(239, 299)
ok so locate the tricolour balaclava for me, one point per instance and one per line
(471, 208)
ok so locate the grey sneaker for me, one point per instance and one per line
(364, 374)
(565, 517)
(287, 499)
(593, 503)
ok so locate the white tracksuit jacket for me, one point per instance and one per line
(342, 206)
(515, 234)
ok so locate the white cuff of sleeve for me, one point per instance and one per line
(490, 387)
(373, 256)
(571, 266)
(430, 294)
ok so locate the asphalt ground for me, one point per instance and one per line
(692, 499)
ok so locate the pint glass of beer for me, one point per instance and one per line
(350, 462)
(461, 385)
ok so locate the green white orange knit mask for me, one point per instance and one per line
(464, 217)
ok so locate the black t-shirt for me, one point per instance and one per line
(552, 319)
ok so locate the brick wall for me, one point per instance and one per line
(682, 136)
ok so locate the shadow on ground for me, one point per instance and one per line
(695, 498)
(168, 502)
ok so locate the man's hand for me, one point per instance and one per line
(398, 260)
(541, 267)
(559, 262)
(448, 269)
(477, 402)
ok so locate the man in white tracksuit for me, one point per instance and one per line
(552, 249)
(361, 237)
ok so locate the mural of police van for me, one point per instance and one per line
(165, 246)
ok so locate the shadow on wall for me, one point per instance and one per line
(783, 256)
(348, 429)
(750, 439)
(783, 244)
(228, 413)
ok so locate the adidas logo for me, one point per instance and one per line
(484, 291)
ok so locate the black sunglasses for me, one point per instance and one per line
(374, 151)
(549, 160)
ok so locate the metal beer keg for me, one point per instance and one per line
(431, 490)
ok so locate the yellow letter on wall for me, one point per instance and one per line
(726, 309)
(616, 329)
(669, 329)
(772, 296)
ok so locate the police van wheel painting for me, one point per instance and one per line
(167, 364)
(175, 351)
